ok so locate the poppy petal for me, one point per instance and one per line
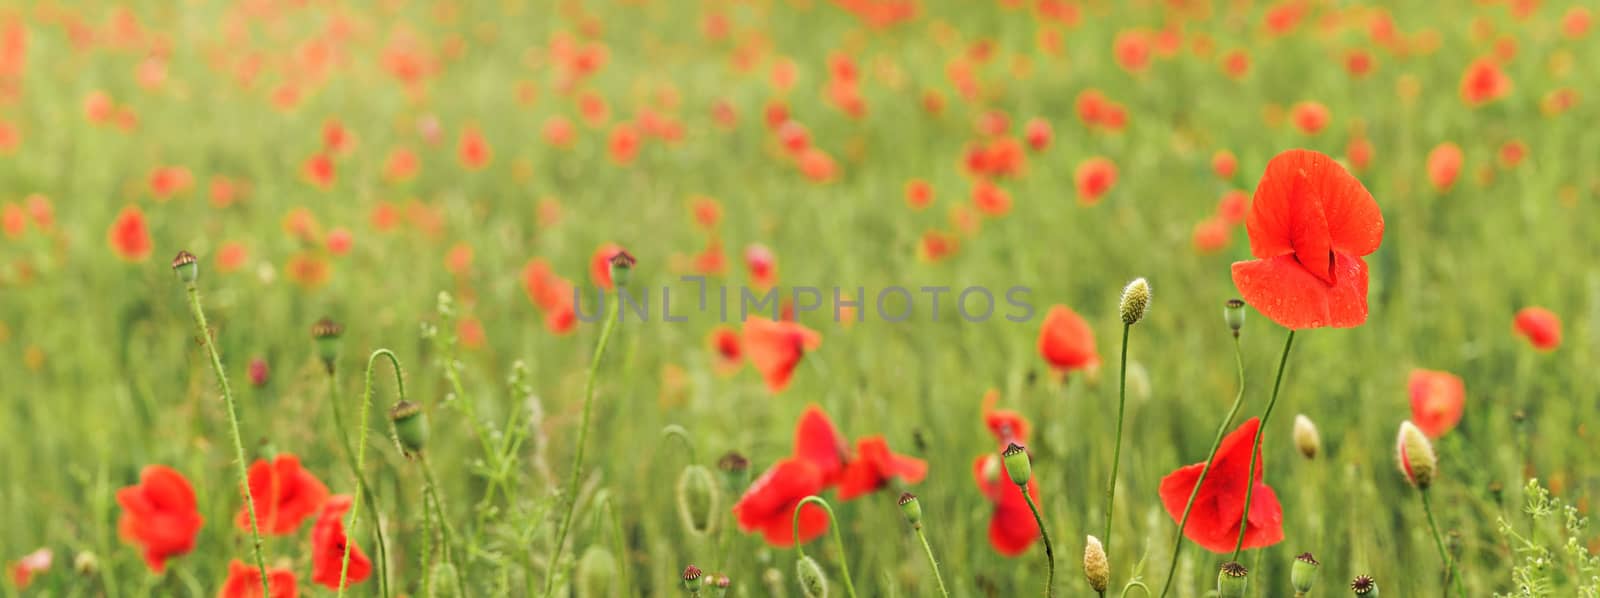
(817, 441)
(1284, 291)
(1304, 193)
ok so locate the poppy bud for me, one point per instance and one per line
(327, 333)
(1305, 436)
(86, 563)
(1233, 314)
(720, 584)
(597, 573)
(258, 372)
(187, 267)
(1304, 573)
(410, 426)
(621, 265)
(1415, 455)
(697, 500)
(1364, 586)
(1231, 581)
(1135, 300)
(692, 579)
(812, 582)
(912, 509)
(1017, 464)
(1096, 568)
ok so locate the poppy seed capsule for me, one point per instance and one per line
(1415, 455)
(1096, 568)
(410, 426)
(1018, 466)
(1135, 300)
(698, 500)
(1231, 580)
(1306, 438)
(912, 509)
(812, 582)
(327, 332)
(1233, 314)
(187, 267)
(1364, 586)
(621, 265)
(692, 579)
(1304, 573)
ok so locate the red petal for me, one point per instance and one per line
(817, 441)
(1306, 200)
(769, 502)
(1012, 529)
(1284, 291)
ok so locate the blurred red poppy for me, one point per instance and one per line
(160, 515)
(1218, 510)
(1224, 164)
(244, 581)
(328, 542)
(775, 349)
(1540, 326)
(31, 564)
(1066, 341)
(1211, 235)
(873, 465)
(1309, 225)
(1012, 528)
(1311, 117)
(769, 504)
(1233, 207)
(1094, 177)
(1039, 134)
(725, 350)
(285, 495)
(1006, 425)
(1484, 82)
(1444, 165)
(1437, 399)
(600, 265)
(128, 235)
(763, 266)
(918, 194)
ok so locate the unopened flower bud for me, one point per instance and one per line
(812, 582)
(1305, 437)
(912, 509)
(1303, 574)
(1231, 580)
(1233, 314)
(597, 573)
(1364, 586)
(327, 333)
(621, 266)
(187, 267)
(692, 579)
(1135, 300)
(410, 426)
(258, 372)
(1096, 568)
(1018, 466)
(698, 500)
(1415, 455)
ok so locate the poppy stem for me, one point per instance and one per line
(1222, 430)
(934, 563)
(361, 456)
(233, 423)
(350, 461)
(444, 524)
(1049, 550)
(570, 495)
(1116, 452)
(1255, 453)
(1451, 578)
(833, 523)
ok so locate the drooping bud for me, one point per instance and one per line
(1231, 580)
(912, 509)
(410, 426)
(693, 578)
(187, 267)
(621, 266)
(812, 581)
(327, 333)
(597, 573)
(1415, 455)
(698, 500)
(1233, 314)
(1135, 300)
(1018, 466)
(1096, 568)
(1303, 574)
(1364, 586)
(1305, 437)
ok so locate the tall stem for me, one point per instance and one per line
(233, 423)
(838, 543)
(1049, 550)
(1116, 451)
(444, 524)
(350, 461)
(932, 562)
(1222, 430)
(1449, 563)
(1255, 453)
(361, 452)
(570, 495)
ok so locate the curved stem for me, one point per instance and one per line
(1135, 584)
(1049, 551)
(932, 562)
(570, 495)
(361, 452)
(350, 461)
(233, 423)
(1222, 430)
(677, 431)
(1255, 454)
(1116, 452)
(833, 523)
(1449, 563)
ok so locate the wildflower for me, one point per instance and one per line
(776, 348)
(328, 543)
(285, 495)
(1540, 326)
(770, 502)
(1135, 300)
(1444, 165)
(128, 235)
(244, 581)
(1214, 520)
(1094, 177)
(1415, 456)
(1306, 439)
(1065, 340)
(1096, 569)
(872, 467)
(160, 515)
(1436, 401)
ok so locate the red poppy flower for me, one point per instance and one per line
(763, 266)
(1066, 341)
(474, 149)
(1576, 22)
(1233, 207)
(1358, 152)
(244, 581)
(558, 131)
(401, 165)
(1309, 224)
(1541, 326)
(817, 165)
(990, 199)
(707, 212)
(775, 349)
(937, 245)
(1219, 507)
(13, 220)
(769, 504)
(328, 545)
(1358, 62)
(1484, 82)
(339, 241)
(1224, 164)
(1444, 165)
(169, 181)
(1006, 425)
(1132, 49)
(725, 349)
(1038, 134)
(918, 194)
(29, 565)
(285, 495)
(1310, 117)
(624, 144)
(1094, 177)
(600, 265)
(159, 514)
(1236, 64)
(1211, 235)
(874, 465)
(1436, 401)
(128, 235)
(1012, 528)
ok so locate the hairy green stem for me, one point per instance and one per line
(570, 495)
(1135, 584)
(350, 461)
(361, 452)
(444, 524)
(1116, 451)
(938, 577)
(1449, 563)
(833, 524)
(1222, 430)
(233, 423)
(1255, 453)
(1049, 550)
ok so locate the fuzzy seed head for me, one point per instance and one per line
(1096, 568)
(1415, 455)
(692, 578)
(1306, 438)
(1135, 300)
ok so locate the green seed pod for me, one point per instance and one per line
(734, 468)
(327, 333)
(187, 267)
(410, 426)
(1232, 581)
(597, 574)
(698, 500)
(621, 267)
(912, 509)
(1303, 574)
(693, 578)
(1135, 300)
(1364, 586)
(1233, 314)
(812, 581)
(1018, 466)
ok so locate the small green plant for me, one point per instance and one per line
(1551, 558)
